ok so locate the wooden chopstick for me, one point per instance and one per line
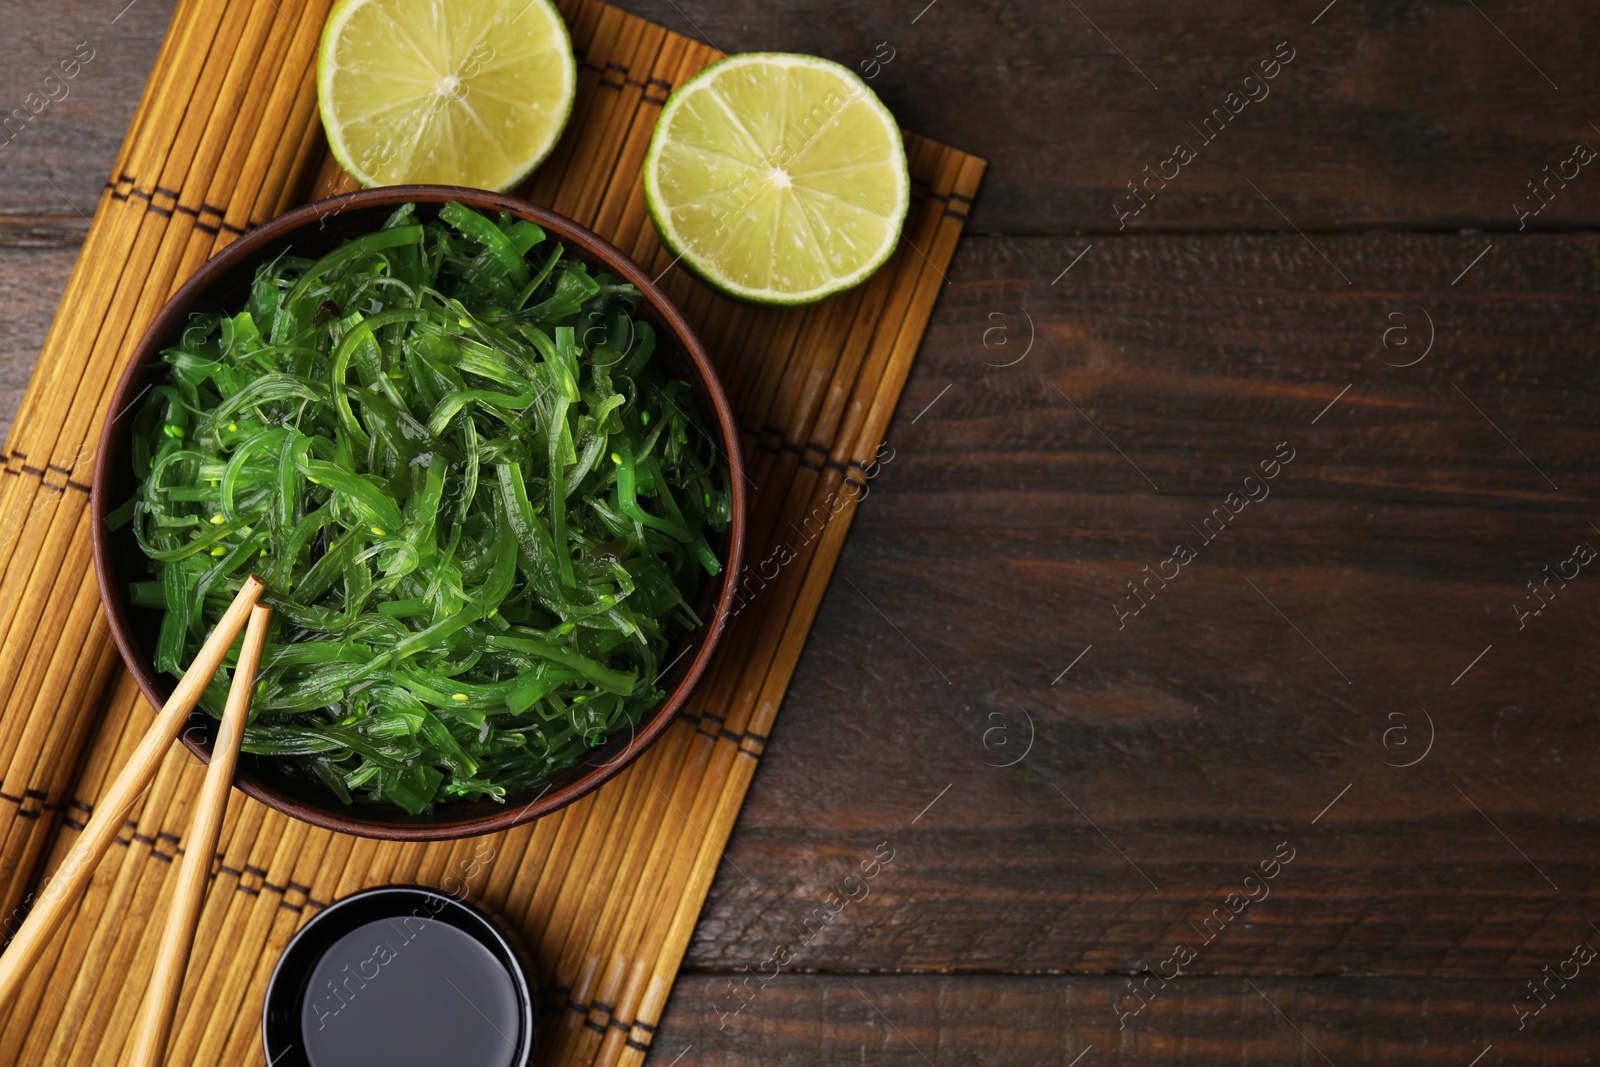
(149, 1044)
(57, 896)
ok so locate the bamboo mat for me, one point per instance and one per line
(607, 892)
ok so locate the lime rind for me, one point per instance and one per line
(756, 129)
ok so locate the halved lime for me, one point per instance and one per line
(777, 178)
(453, 92)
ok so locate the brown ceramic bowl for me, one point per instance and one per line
(221, 284)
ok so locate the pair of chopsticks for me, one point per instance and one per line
(147, 1048)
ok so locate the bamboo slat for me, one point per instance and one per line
(606, 892)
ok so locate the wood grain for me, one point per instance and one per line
(57, 159)
(31, 281)
(1416, 115)
(1002, 533)
(902, 1021)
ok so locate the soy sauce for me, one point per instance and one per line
(409, 991)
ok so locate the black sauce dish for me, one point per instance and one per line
(400, 976)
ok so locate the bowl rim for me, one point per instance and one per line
(113, 597)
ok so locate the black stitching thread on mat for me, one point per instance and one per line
(222, 868)
(782, 445)
(166, 212)
(554, 993)
(39, 473)
(27, 795)
(960, 215)
(758, 742)
(617, 68)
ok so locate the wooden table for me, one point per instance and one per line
(1320, 390)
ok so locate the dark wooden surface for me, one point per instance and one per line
(1060, 433)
